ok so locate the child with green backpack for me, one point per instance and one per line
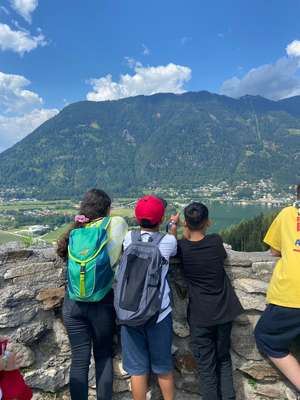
(88, 310)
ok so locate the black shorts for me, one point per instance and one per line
(276, 329)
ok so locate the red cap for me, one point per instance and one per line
(150, 208)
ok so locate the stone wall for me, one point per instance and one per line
(32, 287)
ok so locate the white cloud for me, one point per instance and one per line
(5, 10)
(185, 39)
(19, 27)
(146, 51)
(14, 129)
(293, 49)
(129, 61)
(19, 41)
(147, 81)
(274, 82)
(24, 7)
(16, 99)
(26, 107)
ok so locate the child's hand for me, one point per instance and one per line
(13, 361)
(176, 217)
(3, 338)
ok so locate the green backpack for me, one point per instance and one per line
(89, 272)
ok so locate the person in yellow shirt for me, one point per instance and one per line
(279, 324)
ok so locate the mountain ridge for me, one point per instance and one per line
(164, 139)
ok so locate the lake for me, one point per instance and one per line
(224, 215)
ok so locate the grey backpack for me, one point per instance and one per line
(138, 280)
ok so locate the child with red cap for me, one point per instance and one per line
(152, 345)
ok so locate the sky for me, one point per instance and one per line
(57, 52)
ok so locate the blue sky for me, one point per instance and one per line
(57, 52)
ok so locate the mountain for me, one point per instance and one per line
(165, 139)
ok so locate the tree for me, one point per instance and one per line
(249, 235)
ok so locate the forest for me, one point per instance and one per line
(248, 235)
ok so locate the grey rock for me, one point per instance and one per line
(251, 301)
(251, 285)
(182, 330)
(243, 259)
(17, 317)
(7, 294)
(121, 385)
(245, 346)
(237, 272)
(118, 368)
(30, 333)
(27, 356)
(13, 296)
(247, 319)
(13, 252)
(268, 391)
(174, 348)
(260, 370)
(44, 396)
(42, 280)
(188, 382)
(29, 269)
(263, 268)
(49, 380)
(122, 396)
(186, 395)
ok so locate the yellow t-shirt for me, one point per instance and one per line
(284, 236)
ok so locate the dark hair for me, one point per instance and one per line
(196, 216)
(298, 191)
(94, 205)
(145, 223)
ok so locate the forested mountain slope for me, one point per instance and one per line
(190, 139)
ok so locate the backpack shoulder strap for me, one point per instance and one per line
(135, 235)
(105, 222)
(154, 239)
(157, 237)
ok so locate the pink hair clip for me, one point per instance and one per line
(81, 218)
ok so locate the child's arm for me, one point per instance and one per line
(275, 253)
(174, 218)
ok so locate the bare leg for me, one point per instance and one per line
(166, 383)
(139, 386)
(290, 367)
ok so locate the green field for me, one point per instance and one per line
(65, 205)
(55, 235)
(125, 199)
(122, 212)
(6, 237)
